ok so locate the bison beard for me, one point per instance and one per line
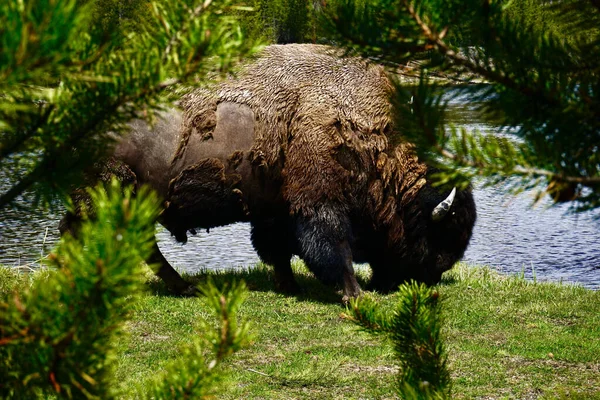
(297, 145)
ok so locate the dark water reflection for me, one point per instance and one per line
(509, 235)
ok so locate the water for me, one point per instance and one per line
(225, 247)
(544, 241)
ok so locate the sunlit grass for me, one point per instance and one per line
(507, 338)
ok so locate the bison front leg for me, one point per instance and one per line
(384, 279)
(271, 242)
(324, 245)
(351, 286)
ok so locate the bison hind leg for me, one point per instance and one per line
(69, 223)
(271, 240)
(82, 203)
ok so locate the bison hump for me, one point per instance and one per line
(235, 125)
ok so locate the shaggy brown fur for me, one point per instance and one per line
(310, 106)
(297, 145)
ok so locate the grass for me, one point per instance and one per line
(507, 338)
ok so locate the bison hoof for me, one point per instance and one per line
(346, 298)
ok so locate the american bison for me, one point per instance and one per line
(297, 145)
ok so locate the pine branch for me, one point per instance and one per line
(460, 60)
(521, 170)
(364, 312)
(123, 88)
(487, 168)
(177, 35)
(414, 327)
(50, 157)
(484, 155)
(193, 375)
(57, 338)
(6, 149)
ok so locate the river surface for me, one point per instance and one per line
(546, 241)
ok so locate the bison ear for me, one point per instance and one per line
(440, 211)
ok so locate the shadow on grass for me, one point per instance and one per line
(260, 278)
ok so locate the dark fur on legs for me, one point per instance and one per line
(324, 245)
(271, 240)
(170, 277)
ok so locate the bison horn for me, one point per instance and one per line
(442, 209)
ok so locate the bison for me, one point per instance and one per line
(297, 144)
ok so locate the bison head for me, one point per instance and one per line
(429, 233)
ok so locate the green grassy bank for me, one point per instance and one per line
(506, 337)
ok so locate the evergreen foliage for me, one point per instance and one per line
(285, 21)
(542, 87)
(117, 17)
(58, 337)
(72, 74)
(194, 376)
(414, 328)
(65, 83)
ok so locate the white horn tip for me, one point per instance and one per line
(442, 209)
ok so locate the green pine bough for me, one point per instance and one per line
(69, 82)
(414, 328)
(538, 65)
(58, 338)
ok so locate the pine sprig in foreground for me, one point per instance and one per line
(194, 375)
(58, 338)
(414, 328)
(64, 86)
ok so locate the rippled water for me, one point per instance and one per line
(223, 248)
(544, 242)
(510, 235)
